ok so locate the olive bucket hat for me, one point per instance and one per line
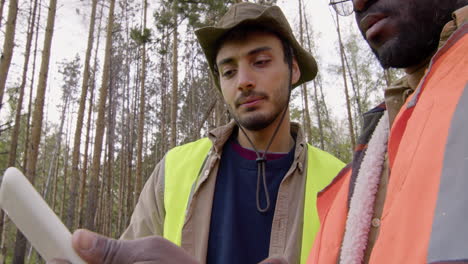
(270, 17)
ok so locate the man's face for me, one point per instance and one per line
(402, 33)
(254, 79)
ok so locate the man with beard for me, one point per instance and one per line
(404, 200)
(239, 195)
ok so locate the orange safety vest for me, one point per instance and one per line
(426, 208)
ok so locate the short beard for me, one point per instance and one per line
(405, 51)
(258, 122)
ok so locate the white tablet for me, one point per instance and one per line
(31, 214)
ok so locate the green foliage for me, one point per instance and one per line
(266, 2)
(4, 147)
(197, 13)
(140, 37)
(13, 96)
(71, 74)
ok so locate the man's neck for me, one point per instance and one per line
(283, 141)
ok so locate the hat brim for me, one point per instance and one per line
(271, 18)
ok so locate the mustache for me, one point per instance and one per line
(243, 97)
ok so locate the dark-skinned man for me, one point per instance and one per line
(222, 199)
(405, 198)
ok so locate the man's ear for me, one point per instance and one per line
(296, 72)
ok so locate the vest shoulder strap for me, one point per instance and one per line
(182, 165)
(322, 168)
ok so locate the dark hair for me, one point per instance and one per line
(243, 31)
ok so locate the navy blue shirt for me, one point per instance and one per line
(239, 233)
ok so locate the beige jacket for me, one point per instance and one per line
(286, 233)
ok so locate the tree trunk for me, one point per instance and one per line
(131, 143)
(84, 172)
(79, 122)
(164, 108)
(123, 172)
(55, 176)
(101, 195)
(121, 207)
(205, 116)
(2, 4)
(65, 178)
(8, 45)
(305, 97)
(56, 152)
(175, 79)
(317, 102)
(319, 116)
(20, 239)
(33, 151)
(141, 119)
(33, 74)
(92, 198)
(348, 100)
(110, 160)
(355, 85)
(122, 213)
(16, 128)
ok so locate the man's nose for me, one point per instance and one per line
(245, 77)
(359, 5)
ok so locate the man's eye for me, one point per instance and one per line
(228, 73)
(262, 62)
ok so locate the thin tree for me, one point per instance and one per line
(98, 221)
(175, 76)
(130, 143)
(356, 86)
(55, 176)
(110, 160)
(33, 74)
(28, 118)
(79, 121)
(65, 172)
(19, 107)
(84, 171)
(164, 93)
(8, 45)
(2, 4)
(317, 102)
(141, 118)
(122, 172)
(305, 97)
(343, 71)
(33, 150)
(100, 125)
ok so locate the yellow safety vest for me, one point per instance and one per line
(183, 165)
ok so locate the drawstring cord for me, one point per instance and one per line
(261, 159)
(261, 164)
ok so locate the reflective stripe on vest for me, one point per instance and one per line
(183, 165)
